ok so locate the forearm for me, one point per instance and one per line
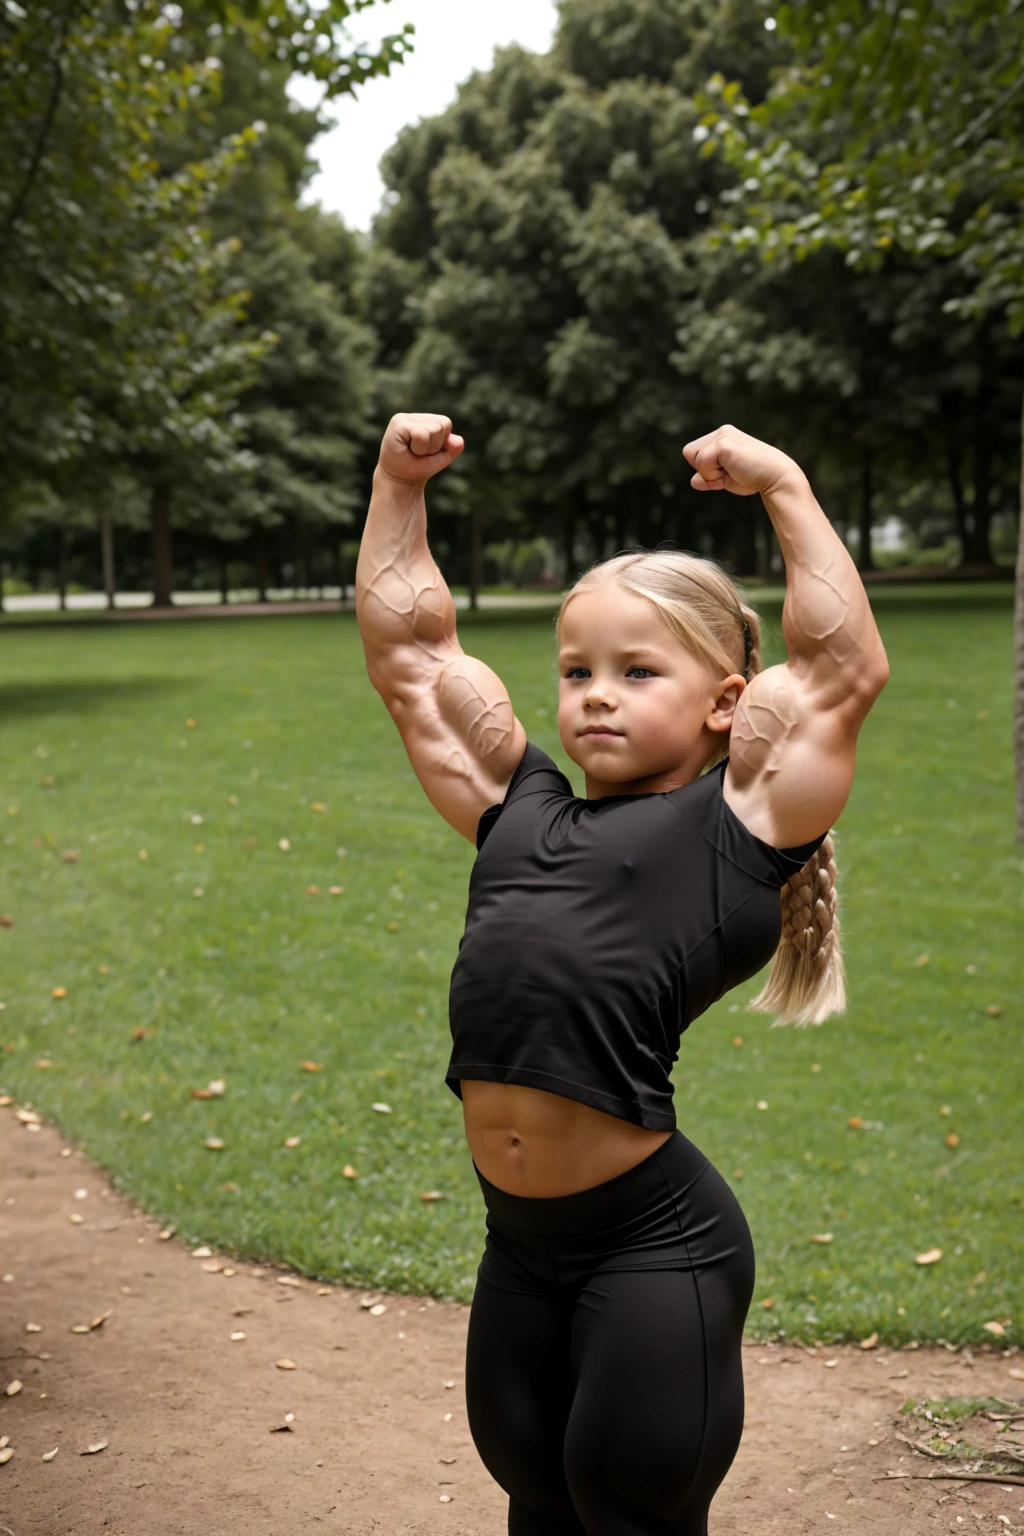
(826, 618)
(401, 597)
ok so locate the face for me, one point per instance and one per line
(636, 710)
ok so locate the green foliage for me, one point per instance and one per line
(896, 126)
(255, 975)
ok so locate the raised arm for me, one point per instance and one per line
(453, 713)
(792, 746)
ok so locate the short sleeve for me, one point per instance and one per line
(704, 804)
(535, 773)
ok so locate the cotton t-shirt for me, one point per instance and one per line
(598, 930)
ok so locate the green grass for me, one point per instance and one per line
(255, 976)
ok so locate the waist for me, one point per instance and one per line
(663, 1177)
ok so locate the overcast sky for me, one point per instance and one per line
(453, 38)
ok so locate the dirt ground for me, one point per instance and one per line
(378, 1439)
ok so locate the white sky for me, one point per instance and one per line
(453, 38)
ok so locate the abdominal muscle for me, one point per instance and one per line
(530, 1142)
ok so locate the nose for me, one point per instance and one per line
(597, 692)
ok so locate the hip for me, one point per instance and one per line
(673, 1210)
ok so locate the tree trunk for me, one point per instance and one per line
(160, 541)
(261, 562)
(956, 481)
(1, 586)
(222, 569)
(979, 550)
(568, 545)
(336, 569)
(107, 552)
(476, 548)
(865, 559)
(1018, 646)
(62, 573)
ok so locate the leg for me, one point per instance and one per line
(518, 1395)
(658, 1411)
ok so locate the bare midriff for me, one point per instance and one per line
(530, 1142)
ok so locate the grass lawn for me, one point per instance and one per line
(254, 766)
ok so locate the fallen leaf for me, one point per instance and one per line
(993, 1010)
(211, 1266)
(140, 1032)
(79, 1327)
(6, 1454)
(48, 782)
(59, 992)
(33, 1327)
(27, 1117)
(277, 1429)
(855, 1123)
(737, 1039)
(323, 1290)
(769, 1301)
(922, 960)
(369, 1301)
(98, 1322)
(214, 1144)
(930, 1256)
(382, 1109)
(44, 1061)
(49, 1455)
(13, 1388)
(166, 1234)
(146, 1117)
(317, 805)
(288, 1280)
(95, 1448)
(444, 1498)
(952, 1140)
(72, 856)
(393, 926)
(830, 1364)
(75, 1219)
(285, 1365)
(348, 1172)
(945, 1110)
(6, 921)
(214, 1090)
(292, 1141)
(996, 1328)
(762, 1103)
(447, 1461)
(202, 1253)
(312, 1066)
(283, 844)
(312, 890)
(5, 1100)
(869, 1342)
(1016, 1373)
(190, 723)
(378, 1310)
(820, 1237)
(143, 855)
(335, 890)
(432, 1194)
(237, 1336)
(81, 1194)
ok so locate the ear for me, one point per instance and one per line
(730, 691)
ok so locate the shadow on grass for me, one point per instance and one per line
(84, 697)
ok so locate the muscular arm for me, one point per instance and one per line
(793, 740)
(452, 711)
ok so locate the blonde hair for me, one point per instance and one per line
(705, 611)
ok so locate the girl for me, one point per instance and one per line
(604, 1379)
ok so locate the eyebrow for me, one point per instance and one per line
(632, 650)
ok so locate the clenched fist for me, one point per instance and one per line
(418, 446)
(728, 460)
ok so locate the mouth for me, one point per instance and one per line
(599, 730)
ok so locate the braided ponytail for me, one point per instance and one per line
(807, 981)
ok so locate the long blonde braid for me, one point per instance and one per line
(705, 611)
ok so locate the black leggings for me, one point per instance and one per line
(604, 1380)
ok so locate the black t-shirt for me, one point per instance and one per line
(598, 930)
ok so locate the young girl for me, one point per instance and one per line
(604, 1380)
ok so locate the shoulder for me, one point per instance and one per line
(705, 806)
(535, 773)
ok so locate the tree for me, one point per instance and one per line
(921, 118)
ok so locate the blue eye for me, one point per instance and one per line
(635, 668)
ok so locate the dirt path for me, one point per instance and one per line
(379, 1441)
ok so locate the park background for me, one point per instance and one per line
(228, 912)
